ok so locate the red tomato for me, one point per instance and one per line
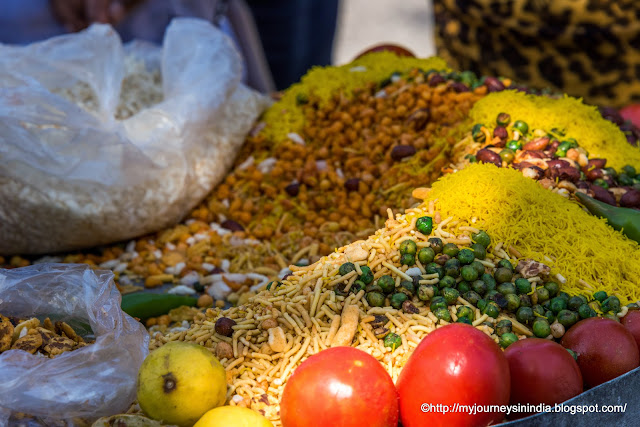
(631, 112)
(632, 322)
(605, 349)
(398, 50)
(340, 387)
(542, 371)
(455, 364)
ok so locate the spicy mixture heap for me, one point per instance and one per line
(46, 339)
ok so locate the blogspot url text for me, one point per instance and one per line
(509, 409)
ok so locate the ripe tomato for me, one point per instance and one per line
(631, 112)
(454, 364)
(398, 50)
(542, 371)
(632, 322)
(605, 349)
(340, 387)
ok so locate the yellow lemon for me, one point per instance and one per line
(179, 382)
(232, 416)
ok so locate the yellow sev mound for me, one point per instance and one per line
(600, 137)
(285, 116)
(544, 226)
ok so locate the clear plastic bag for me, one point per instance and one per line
(82, 164)
(92, 381)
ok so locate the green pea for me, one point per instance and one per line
(543, 294)
(480, 287)
(408, 247)
(503, 119)
(479, 267)
(537, 308)
(610, 172)
(633, 306)
(437, 302)
(481, 237)
(407, 287)
(466, 256)
(436, 244)
(450, 295)
(562, 149)
(386, 283)
(503, 275)
(472, 297)
(514, 145)
(575, 302)
(612, 317)
(558, 304)
(397, 299)
(357, 286)
(525, 315)
(541, 328)
(507, 155)
(601, 182)
(426, 255)
(427, 292)
(553, 288)
(625, 180)
(450, 249)
(525, 300)
(447, 282)
(611, 304)
(507, 339)
(477, 134)
(442, 314)
(345, 268)
(468, 273)
(585, 311)
(489, 281)
(503, 326)
(482, 304)
(479, 251)
(491, 310)
(424, 225)
(600, 296)
(373, 288)
(464, 320)
(595, 306)
(407, 259)
(567, 318)
(367, 275)
(491, 294)
(629, 170)
(550, 316)
(505, 263)
(523, 286)
(506, 288)
(467, 312)
(392, 341)
(452, 268)
(564, 295)
(464, 287)
(375, 299)
(433, 268)
(513, 302)
(521, 126)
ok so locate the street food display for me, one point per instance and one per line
(381, 217)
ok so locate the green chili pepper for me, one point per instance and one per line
(145, 305)
(622, 219)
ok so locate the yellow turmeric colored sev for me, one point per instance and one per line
(518, 212)
(600, 137)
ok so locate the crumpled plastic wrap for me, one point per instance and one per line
(76, 174)
(90, 382)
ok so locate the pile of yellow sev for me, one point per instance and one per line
(588, 254)
(600, 137)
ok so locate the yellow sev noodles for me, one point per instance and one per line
(542, 224)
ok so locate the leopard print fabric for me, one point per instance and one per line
(586, 48)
